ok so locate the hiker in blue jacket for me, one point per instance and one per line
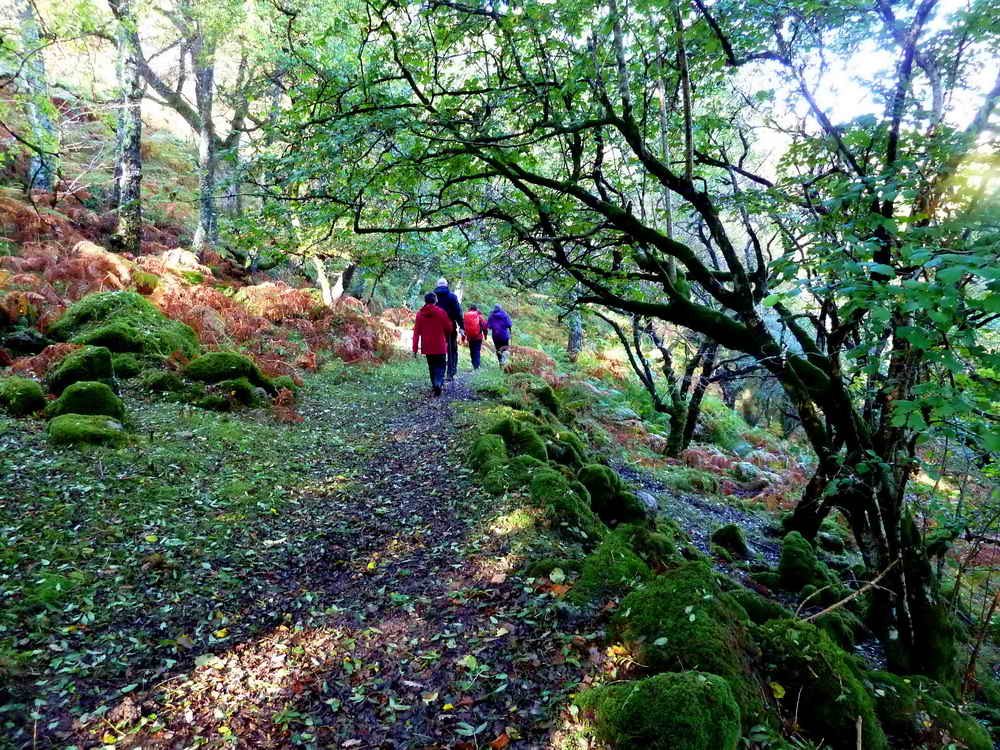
(448, 302)
(499, 324)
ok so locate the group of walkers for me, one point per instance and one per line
(440, 323)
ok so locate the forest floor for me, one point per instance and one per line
(232, 582)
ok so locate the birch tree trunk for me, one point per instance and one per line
(128, 172)
(206, 236)
(38, 105)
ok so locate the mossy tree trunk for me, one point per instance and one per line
(128, 170)
(206, 236)
(574, 336)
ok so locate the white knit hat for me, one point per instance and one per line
(442, 281)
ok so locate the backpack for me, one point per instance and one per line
(474, 327)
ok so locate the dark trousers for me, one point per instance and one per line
(498, 344)
(452, 355)
(475, 347)
(436, 365)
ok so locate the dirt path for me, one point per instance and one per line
(404, 627)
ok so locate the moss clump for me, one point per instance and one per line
(568, 449)
(285, 381)
(520, 438)
(798, 562)
(161, 381)
(211, 402)
(683, 620)
(564, 508)
(843, 627)
(239, 391)
(608, 497)
(690, 710)
(216, 367)
(542, 567)
(125, 366)
(88, 363)
(94, 429)
(547, 398)
(21, 396)
(658, 549)
(87, 397)
(488, 452)
(730, 538)
(759, 608)
(611, 570)
(688, 479)
(124, 322)
(822, 681)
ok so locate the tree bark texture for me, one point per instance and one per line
(39, 109)
(128, 184)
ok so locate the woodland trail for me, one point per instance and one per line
(409, 632)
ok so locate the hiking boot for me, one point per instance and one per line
(437, 391)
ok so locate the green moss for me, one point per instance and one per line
(285, 381)
(683, 620)
(564, 508)
(73, 429)
(759, 608)
(913, 707)
(542, 567)
(767, 578)
(658, 549)
(608, 497)
(821, 684)
(613, 569)
(798, 562)
(689, 710)
(843, 627)
(520, 438)
(88, 363)
(487, 451)
(125, 366)
(87, 397)
(21, 396)
(547, 398)
(161, 381)
(730, 537)
(688, 479)
(239, 391)
(124, 322)
(216, 367)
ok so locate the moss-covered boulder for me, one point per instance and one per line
(543, 566)
(730, 537)
(240, 391)
(211, 402)
(87, 363)
(161, 381)
(821, 684)
(87, 397)
(125, 366)
(683, 620)
(658, 549)
(520, 438)
(21, 396)
(286, 382)
(613, 569)
(843, 626)
(798, 562)
(564, 507)
(124, 322)
(916, 709)
(488, 452)
(92, 429)
(759, 608)
(608, 497)
(689, 710)
(215, 367)
(548, 398)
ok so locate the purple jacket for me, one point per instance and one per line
(499, 323)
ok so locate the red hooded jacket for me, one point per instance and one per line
(431, 330)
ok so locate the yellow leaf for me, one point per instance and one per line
(221, 633)
(371, 565)
(778, 690)
(152, 538)
(108, 738)
(448, 707)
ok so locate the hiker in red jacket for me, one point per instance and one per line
(475, 331)
(431, 330)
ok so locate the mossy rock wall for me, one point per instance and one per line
(798, 562)
(124, 322)
(521, 438)
(821, 684)
(93, 429)
(21, 396)
(608, 497)
(683, 620)
(87, 397)
(681, 711)
(89, 363)
(565, 508)
(611, 570)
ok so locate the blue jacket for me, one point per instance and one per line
(450, 304)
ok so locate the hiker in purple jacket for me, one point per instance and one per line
(499, 325)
